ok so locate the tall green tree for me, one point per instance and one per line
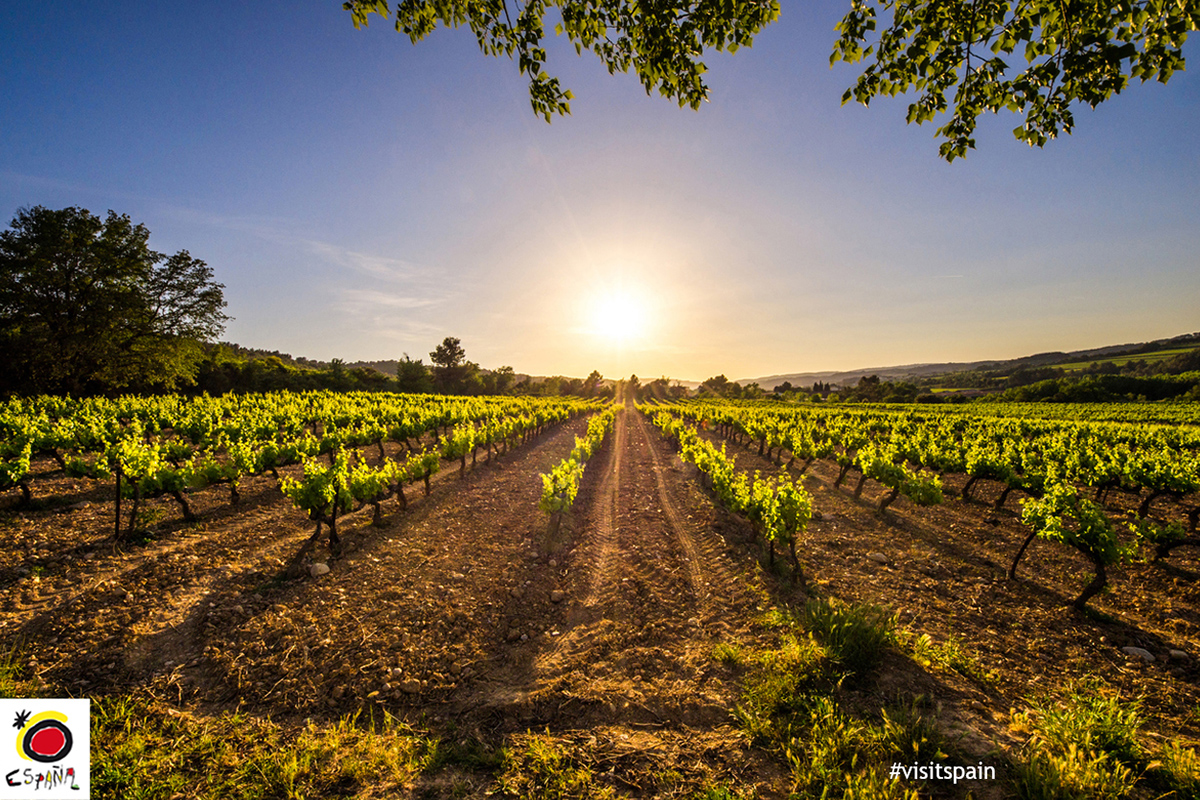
(592, 383)
(412, 377)
(498, 381)
(87, 306)
(452, 373)
(1035, 58)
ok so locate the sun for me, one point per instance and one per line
(621, 317)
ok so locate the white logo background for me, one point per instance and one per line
(61, 722)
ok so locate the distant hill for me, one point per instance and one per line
(1075, 359)
(913, 372)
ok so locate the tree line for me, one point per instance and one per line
(87, 308)
(231, 369)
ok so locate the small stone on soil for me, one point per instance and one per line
(317, 570)
(1141, 653)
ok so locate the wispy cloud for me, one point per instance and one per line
(366, 301)
(383, 267)
(285, 232)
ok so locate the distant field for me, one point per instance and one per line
(1159, 355)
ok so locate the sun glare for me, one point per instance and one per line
(620, 317)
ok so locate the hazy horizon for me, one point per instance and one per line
(361, 197)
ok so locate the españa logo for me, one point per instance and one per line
(49, 756)
(44, 738)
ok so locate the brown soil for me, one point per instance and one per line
(946, 575)
(471, 612)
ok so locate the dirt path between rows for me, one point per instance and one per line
(636, 647)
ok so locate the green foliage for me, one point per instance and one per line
(1081, 745)
(779, 508)
(540, 768)
(133, 456)
(1061, 515)
(781, 684)
(1149, 533)
(662, 44)
(420, 465)
(957, 57)
(1086, 745)
(960, 57)
(1179, 769)
(951, 654)
(413, 376)
(922, 488)
(15, 468)
(323, 491)
(560, 486)
(86, 305)
(731, 655)
(452, 373)
(787, 706)
(722, 793)
(793, 509)
(11, 684)
(908, 731)
(1074, 774)
(79, 467)
(459, 443)
(1090, 717)
(855, 636)
(139, 751)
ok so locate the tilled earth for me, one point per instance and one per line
(945, 571)
(473, 611)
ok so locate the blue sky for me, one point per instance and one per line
(361, 197)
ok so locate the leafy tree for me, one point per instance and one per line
(86, 305)
(339, 377)
(498, 381)
(954, 54)
(1074, 51)
(452, 373)
(721, 386)
(413, 376)
(661, 42)
(591, 383)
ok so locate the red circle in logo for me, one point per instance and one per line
(47, 741)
